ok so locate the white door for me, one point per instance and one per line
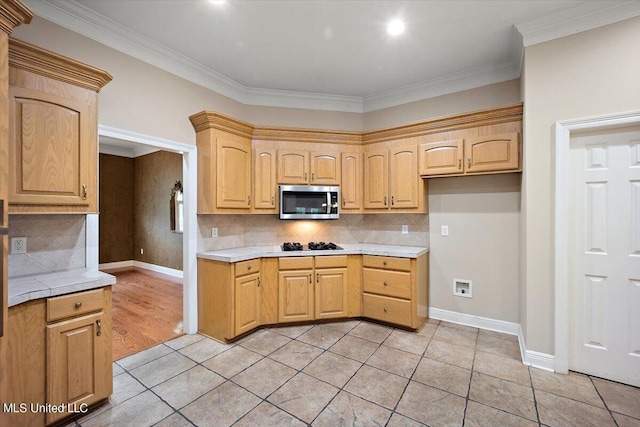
(604, 265)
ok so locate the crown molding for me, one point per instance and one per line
(12, 14)
(213, 120)
(584, 17)
(267, 133)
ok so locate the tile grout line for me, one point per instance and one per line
(535, 400)
(473, 363)
(603, 401)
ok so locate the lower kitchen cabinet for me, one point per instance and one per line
(247, 306)
(295, 289)
(331, 293)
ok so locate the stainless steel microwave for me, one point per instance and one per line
(309, 202)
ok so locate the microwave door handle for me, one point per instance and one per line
(328, 202)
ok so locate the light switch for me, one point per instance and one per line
(444, 230)
(405, 229)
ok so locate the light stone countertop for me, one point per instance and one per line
(252, 252)
(27, 288)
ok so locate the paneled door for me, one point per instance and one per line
(604, 239)
(295, 295)
(331, 293)
(376, 179)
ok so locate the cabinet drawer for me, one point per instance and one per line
(296, 263)
(392, 310)
(74, 304)
(387, 263)
(246, 267)
(390, 283)
(330, 261)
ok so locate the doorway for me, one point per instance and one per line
(598, 247)
(189, 235)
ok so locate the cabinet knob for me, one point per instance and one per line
(384, 263)
(84, 191)
(385, 283)
(78, 305)
(385, 309)
(249, 268)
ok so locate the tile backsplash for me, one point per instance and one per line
(254, 230)
(54, 243)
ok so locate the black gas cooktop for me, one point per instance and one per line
(311, 246)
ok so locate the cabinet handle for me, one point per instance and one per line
(309, 279)
(84, 191)
(249, 200)
(99, 326)
(385, 200)
(258, 282)
(344, 201)
(305, 176)
(78, 305)
(273, 201)
(385, 283)
(317, 278)
(392, 201)
(459, 163)
(385, 309)
(313, 176)
(469, 162)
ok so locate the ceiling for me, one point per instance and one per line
(333, 55)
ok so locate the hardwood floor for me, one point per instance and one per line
(147, 310)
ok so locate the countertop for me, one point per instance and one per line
(252, 252)
(27, 288)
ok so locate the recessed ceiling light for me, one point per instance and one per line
(395, 27)
(217, 2)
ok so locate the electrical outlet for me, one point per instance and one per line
(214, 232)
(444, 230)
(141, 251)
(405, 229)
(18, 245)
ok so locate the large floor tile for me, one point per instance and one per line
(443, 376)
(232, 361)
(188, 386)
(117, 369)
(321, 337)
(159, 370)
(349, 410)
(124, 387)
(619, 398)
(344, 326)
(354, 348)
(573, 386)
(478, 415)
(371, 331)
(222, 406)
(291, 331)
(459, 326)
(264, 377)
(264, 342)
(461, 337)
(145, 409)
(183, 341)
(559, 411)
(625, 421)
(377, 386)
(398, 420)
(500, 344)
(267, 415)
(407, 341)
(514, 398)
(174, 420)
(431, 406)
(333, 368)
(204, 349)
(296, 354)
(303, 396)
(395, 361)
(450, 353)
(502, 367)
(146, 356)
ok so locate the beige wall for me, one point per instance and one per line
(483, 216)
(588, 74)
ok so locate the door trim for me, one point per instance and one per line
(562, 141)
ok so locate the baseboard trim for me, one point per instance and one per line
(529, 357)
(139, 264)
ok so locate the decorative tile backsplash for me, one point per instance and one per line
(54, 243)
(254, 230)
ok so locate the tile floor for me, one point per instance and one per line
(355, 373)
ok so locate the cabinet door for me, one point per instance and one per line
(403, 177)
(265, 186)
(233, 176)
(376, 179)
(51, 151)
(331, 293)
(492, 153)
(247, 303)
(295, 295)
(351, 187)
(325, 168)
(441, 158)
(78, 362)
(293, 167)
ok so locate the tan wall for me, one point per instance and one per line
(588, 74)
(154, 176)
(483, 216)
(116, 208)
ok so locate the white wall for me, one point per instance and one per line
(483, 216)
(584, 75)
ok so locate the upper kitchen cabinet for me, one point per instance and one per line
(53, 128)
(376, 179)
(441, 157)
(351, 181)
(224, 163)
(265, 185)
(308, 167)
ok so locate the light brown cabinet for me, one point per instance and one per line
(233, 180)
(472, 155)
(265, 185)
(351, 181)
(391, 179)
(331, 293)
(295, 289)
(247, 303)
(79, 355)
(308, 167)
(53, 127)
